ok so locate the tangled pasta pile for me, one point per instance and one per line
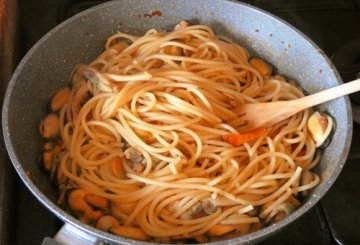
(145, 142)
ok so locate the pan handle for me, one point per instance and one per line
(69, 234)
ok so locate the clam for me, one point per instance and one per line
(49, 156)
(320, 126)
(49, 126)
(59, 99)
(194, 211)
(208, 205)
(130, 232)
(88, 207)
(77, 76)
(137, 159)
(306, 178)
(220, 230)
(81, 96)
(280, 212)
(106, 222)
(257, 226)
(47, 160)
(57, 177)
(261, 66)
(110, 223)
(283, 210)
(181, 25)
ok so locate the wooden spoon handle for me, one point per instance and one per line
(331, 93)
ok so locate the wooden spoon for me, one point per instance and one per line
(268, 113)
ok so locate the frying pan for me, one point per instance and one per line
(47, 66)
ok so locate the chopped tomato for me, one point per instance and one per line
(89, 116)
(294, 146)
(239, 139)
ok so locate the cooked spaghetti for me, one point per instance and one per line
(150, 147)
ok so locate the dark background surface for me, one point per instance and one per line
(332, 25)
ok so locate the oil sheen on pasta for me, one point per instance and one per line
(145, 144)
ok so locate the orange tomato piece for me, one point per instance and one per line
(239, 139)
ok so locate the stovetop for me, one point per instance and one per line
(331, 24)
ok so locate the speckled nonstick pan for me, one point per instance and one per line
(47, 66)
